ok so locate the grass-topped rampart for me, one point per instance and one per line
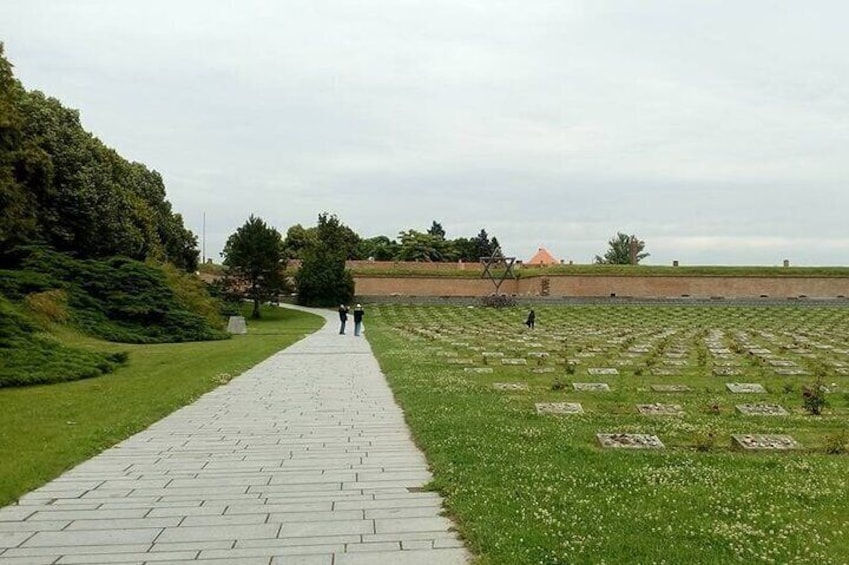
(475, 271)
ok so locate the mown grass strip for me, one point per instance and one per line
(45, 430)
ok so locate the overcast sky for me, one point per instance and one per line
(716, 131)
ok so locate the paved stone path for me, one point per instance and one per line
(304, 459)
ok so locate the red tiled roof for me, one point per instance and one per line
(542, 257)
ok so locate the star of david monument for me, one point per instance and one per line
(498, 268)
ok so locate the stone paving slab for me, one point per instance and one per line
(303, 460)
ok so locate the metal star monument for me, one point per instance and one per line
(498, 268)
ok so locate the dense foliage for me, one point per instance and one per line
(117, 299)
(323, 279)
(623, 249)
(254, 260)
(29, 356)
(61, 186)
(411, 245)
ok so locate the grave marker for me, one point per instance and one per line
(630, 441)
(559, 408)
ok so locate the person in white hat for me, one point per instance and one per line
(358, 319)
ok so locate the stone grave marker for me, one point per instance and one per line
(559, 408)
(236, 325)
(660, 409)
(665, 372)
(726, 371)
(630, 441)
(781, 363)
(492, 354)
(591, 387)
(773, 442)
(459, 361)
(602, 371)
(542, 370)
(745, 388)
(791, 371)
(514, 361)
(511, 386)
(671, 388)
(538, 354)
(761, 410)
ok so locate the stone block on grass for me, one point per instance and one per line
(602, 371)
(511, 386)
(745, 388)
(629, 441)
(768, 442)
(591, 387)
(660, 409)
(671, 388)
(761, 410)
(559, 408)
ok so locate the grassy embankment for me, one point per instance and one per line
(527, 488)
(47, 429)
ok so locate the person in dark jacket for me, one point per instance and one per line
(531, 319)
(343, 318)
(358, 319)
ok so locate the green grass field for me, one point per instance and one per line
(538, 488)
(45, 430)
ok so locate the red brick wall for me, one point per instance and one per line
(589, 286)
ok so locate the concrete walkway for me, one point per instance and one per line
(304, 459)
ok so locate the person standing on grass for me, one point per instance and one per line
(531, 320)
(358, 319)
(343, 318)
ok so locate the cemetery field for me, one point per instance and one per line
(47, 429)
(629, 433)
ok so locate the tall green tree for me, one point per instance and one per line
(62, 187)
(379, 248)
(297, 239)
(419, 246)
(623, 249)
(322, 279)
(436, 230)
(253, 256)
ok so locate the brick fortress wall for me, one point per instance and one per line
(605, 286)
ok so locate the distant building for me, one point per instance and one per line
(541, 258)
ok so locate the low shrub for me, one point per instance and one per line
(28, 356)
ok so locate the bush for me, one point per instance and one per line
(813, 398)
(837, 443)
(120, 299)
(29, 357)
(704, 439)
(50, 305)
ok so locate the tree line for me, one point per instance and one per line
(431, 245)
(62, 188)
(256, 254)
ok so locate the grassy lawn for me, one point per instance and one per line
(45, 430)
(538, 488)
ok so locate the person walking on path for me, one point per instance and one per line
(531, 320)
(358, 319)
(343, 318)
